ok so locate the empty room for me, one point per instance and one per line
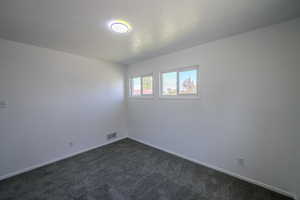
(149, 100)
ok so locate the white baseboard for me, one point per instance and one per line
(56, 159)
(247, 179)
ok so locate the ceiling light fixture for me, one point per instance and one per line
(120, 26)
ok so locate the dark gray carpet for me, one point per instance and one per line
(128, 170)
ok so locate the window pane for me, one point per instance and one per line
(136, 86)
(147, 85)
(188, 82)
(169, 82)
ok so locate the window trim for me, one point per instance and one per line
(142, 95)
(178, 95)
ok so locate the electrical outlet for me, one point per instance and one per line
(111, 136)
(71, 144)
(241, 162)
(3, 104)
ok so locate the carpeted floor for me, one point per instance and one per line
(128, 170)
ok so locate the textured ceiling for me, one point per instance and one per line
(159, 26)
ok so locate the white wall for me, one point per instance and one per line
(248, 106)
(55, 98)
(297, 134)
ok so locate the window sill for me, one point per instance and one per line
(179, 97)
(141, 97)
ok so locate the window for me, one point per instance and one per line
(169, 83)
(180, 82)
(136, 86)
(188, 82)
(147, 85)
(141, 86)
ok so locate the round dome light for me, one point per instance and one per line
(120, 26)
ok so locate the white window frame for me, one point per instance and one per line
(178, 95)
(142, 95)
